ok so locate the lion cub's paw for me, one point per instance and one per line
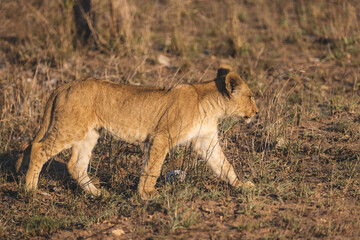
(104, 194)
(98, 193)
(148, 195)
(246, 185)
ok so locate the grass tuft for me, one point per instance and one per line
(301, 60)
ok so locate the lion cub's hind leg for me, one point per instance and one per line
(40, 153)
(79, 162)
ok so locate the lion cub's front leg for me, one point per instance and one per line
(209, 149)
(152, 169)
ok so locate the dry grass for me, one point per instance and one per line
(301, 58)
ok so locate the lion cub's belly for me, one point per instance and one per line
(131, 135)
(198, 130)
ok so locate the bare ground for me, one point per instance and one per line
(302, 153)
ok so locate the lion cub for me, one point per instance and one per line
(162, 117)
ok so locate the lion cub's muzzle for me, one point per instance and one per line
(248, 119)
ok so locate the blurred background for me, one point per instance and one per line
(301, 58)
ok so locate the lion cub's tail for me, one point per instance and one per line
(24, 158)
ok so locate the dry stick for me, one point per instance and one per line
(97, 39)
(175, 74)
(136, 69)
(355, 81)
(258, 56)
(352, 175)
(206, 70)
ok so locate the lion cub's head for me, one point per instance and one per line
(240, 100)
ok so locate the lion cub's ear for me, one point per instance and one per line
(232, 82)
(223, 70)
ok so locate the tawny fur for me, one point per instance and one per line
(162, 117)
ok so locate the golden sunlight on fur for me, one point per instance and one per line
(161, 117)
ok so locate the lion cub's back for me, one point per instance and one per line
(70, 108)
(128, 111)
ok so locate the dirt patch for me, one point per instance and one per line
(301, 60)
